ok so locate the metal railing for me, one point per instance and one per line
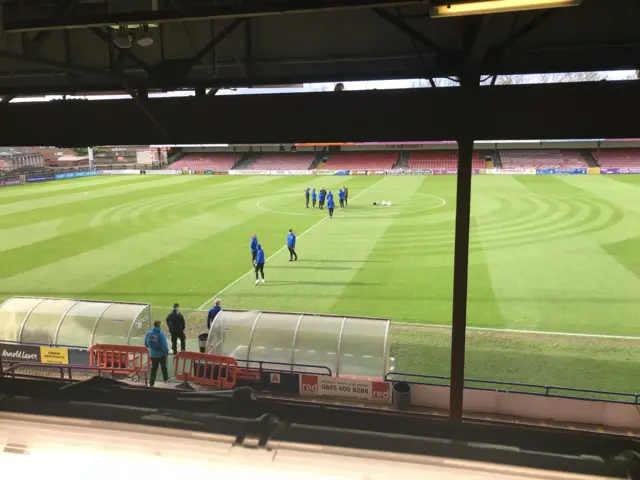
(291, 367)
(35, 370)
(39, 344)
(501, 386)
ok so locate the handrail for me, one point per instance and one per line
(65, 370)
(548, 389)
(268, 362)
(39, 344)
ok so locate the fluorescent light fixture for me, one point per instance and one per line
(481, 7)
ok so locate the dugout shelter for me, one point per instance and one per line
(303, 342)
(76, 323)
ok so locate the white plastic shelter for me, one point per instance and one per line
(80, 323)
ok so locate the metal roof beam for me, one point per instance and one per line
(241, 10)
(337, 117)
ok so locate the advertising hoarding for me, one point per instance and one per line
(7, 182)
(615, 171)
(163, 172)
(40, 178)
(118, 172)
(358, 390)
(64, 176)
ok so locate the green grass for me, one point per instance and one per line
(547, 254)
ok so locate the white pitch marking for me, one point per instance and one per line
(509, 330)
(306, 231)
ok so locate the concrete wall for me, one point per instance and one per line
(537, 407)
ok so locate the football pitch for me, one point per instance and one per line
(554, 287)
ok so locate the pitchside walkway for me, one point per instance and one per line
(78, 373)
(175, 385)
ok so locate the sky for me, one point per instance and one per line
(308, 87)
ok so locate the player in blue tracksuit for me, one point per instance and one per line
(330, 195)
(314, 195)
(341, 197)
(323, 192)
(291, 245)
(214, 311)
(331, 205)
(156, 342)
(254, 247)
(260, 264)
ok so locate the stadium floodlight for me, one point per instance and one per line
(481, 7)
(122, 37)
(145, 40)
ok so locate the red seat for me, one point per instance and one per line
(362, 161)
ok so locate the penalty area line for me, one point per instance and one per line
(510, 330)
(269, 258)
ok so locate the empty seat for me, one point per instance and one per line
(618, 157)
(207, 161)
(440, 160)
(362, 161)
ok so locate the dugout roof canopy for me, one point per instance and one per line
(73, 323)
(303, 342)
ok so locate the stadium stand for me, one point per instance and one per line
(440, 159)
(282, 161)
(207, 161)
(542, 159)
(362, 161)
(618, 157)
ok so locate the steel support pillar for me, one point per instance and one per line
(460, 274)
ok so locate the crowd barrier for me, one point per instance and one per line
(120, 359)
(204, 369)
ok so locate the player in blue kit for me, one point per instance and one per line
(254, 248)
(331, 205)
(260, 260)
(291, 245)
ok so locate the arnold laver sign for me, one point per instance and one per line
(19, 353)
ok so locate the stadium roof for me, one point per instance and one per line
(59, 46)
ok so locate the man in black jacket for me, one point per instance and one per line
(176, 325)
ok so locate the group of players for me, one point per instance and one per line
(322, 196)
(257, 253)
(258, 258)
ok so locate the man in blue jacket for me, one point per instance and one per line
(156, 342)
(314, 195)
(330, 205)
(254, 248)
(260, 261)
(341, 197)
(291, 245)
(215, 310)
(323, 192)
